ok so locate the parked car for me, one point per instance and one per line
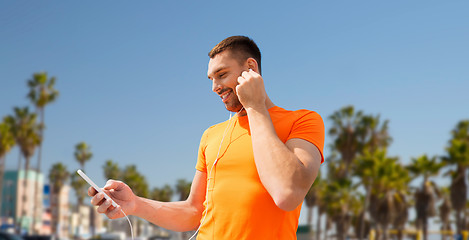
(9, 236)
(39, 237)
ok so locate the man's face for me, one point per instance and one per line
(224, 71)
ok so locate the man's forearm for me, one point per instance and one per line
(177, 216)
(282, 173)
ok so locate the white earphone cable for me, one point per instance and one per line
(130, 224)
(210, 172)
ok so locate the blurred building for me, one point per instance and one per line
(96, 220)
(47, 214)
(60, 212)
(86, 222)
(21, 203)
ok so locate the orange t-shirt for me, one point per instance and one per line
(237, 205)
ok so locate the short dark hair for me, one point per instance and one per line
(241, 47)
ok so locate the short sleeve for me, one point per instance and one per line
(310, 127)
(201, 163)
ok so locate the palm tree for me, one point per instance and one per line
(345, 130)
(42, 93)
(79, 186)
(373, 136)
(445, 211)
(365, 169)
(27, 135)
(321, 204)
(163, 194)
(311, 199)
(426, 196)
(136, 181)
(388, 181)
(58, 175)
(341, 198)
(402, 214)
(458, 157)
(82, 154)
(111, 170)
(7, 141)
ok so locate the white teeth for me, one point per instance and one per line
(223, 97)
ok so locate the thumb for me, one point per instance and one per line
(237, 89)
(111, 184)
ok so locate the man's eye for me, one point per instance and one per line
(222, 75)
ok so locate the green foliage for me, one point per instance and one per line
(345, 133)
(342, 199)
(136, 181)
(82, 153)
(314, 191)
(42, 91)
(7, 139)
(111, 170)
(80, 186)
(425, 166)
(354, 133)
(25, 129)
(163, 194)
(58, 176)
(183, 188)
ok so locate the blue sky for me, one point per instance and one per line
(132, 75)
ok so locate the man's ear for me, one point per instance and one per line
(252, 64)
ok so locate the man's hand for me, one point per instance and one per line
(251, 90)
(120, 193)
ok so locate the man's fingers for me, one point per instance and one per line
(104, 206)
(92, 191)
(97, 199)
(241, 80)
(254, 73)
(114, 213)
(111, 184)
(237, 89)
(246, 74)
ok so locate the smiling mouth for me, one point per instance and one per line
(225, 95)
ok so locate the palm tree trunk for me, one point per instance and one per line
(36, 187)
(400, 233)
(25, 192)
(310, 221)
(326, 228)
(56, 216)
(385, 232)
(361, 234)
(17, 213)
(20, 157)
(340, 228)
(318, 225)
(458, 222)
(2, 172)
(425, 228)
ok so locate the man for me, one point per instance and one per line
(253, 170)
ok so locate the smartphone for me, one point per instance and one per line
(89, 181)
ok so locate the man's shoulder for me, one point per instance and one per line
(217, 127)
(300, 113)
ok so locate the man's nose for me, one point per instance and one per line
(216, 86)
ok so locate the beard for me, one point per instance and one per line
(233, 105)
